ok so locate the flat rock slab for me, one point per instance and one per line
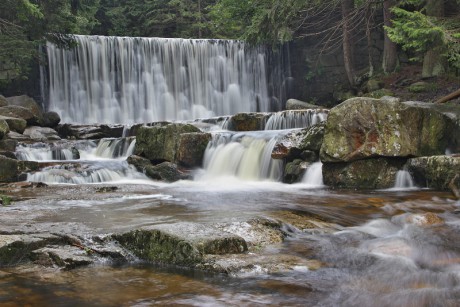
(180, 243)
(67, 256)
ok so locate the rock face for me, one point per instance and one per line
(161, 143)
(361, 128)
(11, 169)
(191, 148)
(434, 172)
(180, 243)
(248, 121)
(16, 124)
(377, 173)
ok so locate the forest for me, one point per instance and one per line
(428, 30)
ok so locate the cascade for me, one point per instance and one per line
(131, 79)
(314, 175)
(295, 119)
(404, 180)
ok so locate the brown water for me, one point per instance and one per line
(379, 252)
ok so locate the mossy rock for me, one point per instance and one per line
(434, 172)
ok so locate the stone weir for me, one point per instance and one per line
(132, 80)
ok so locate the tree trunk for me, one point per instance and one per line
(434, 64)
(347, 39)
(390, 54)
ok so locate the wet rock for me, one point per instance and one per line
(377, 173)
(161, 143)
(12, 169)
(20, 112)
(16, 248)
(191, 148)
(89, 132)
(292, 145)
(294, 104)
(3, 101)
(361, 128)
(8, 145)
(14, 136)
(51, 119)
(305, 221)
(41, 133)
(66, 256)
(106, 189)
(248, 121)
(4, 128)
(434, 172)
(294, 171)
(425, 219)
(166, 171)
(180, 243)
(16, 124)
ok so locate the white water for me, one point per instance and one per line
(314, 175)
(246, 156)
(295, 119)
(404, 180)
(115, 147)
(128, 80)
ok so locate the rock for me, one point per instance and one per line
(379, 173)
(362, 128)
(89, 132)
(180, 243)
(454, 186)
(294, 171)
(161, 143)
(66, 256)
(434, 172)
(20, 112)
(51, 119)
(8, 145)
(374, 85)
(16, 248)
(425, 219)
(3, 101)
(248, 121)
(4, 128)
(379, 94)
(295, 143)
(41, 133)
(16, 124)
(191, 148)
(294, 104)
(305, 221)
(14, 136)
(11, 169)
(165, 171)
(26, 102)
(420, 87)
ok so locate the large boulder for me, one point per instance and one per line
(434, 172)
(379, 173)
(41, 134)
(191, 148)
(248, 121)
(161, 143)
(51, 119)
(16, 124)
(4, 128)
(301, 144)
(12, 169)
(180, 243)
(361, 128)
(26, 102)
(20, 112)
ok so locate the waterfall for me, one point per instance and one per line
(131, 79)
(404, 180)
(295, 119)
(314, 175)
(246, 156)
(116, 147)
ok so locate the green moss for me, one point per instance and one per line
(5, 200)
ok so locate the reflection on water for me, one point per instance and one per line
(375, 249)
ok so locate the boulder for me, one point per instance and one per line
(18, 137)
(361, 128)
(165, 171)
(294, 171)
(378, 173)
(89, 132)
(20, 112)
(16, 124)
(8, 145)
(51, 119)
(434, 172)
(26, 102)
(248, 121)
(41, 133)
(161, 143)
(300, 144)
(191, 148)
(4, 128)
(11, 169)
(294, 104)
(3, 101)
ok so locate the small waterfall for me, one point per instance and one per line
(295, 119)
(243, 155)
(404, 180)
(46, 152)
(131, 79)
(115, 147)
(314, 175)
